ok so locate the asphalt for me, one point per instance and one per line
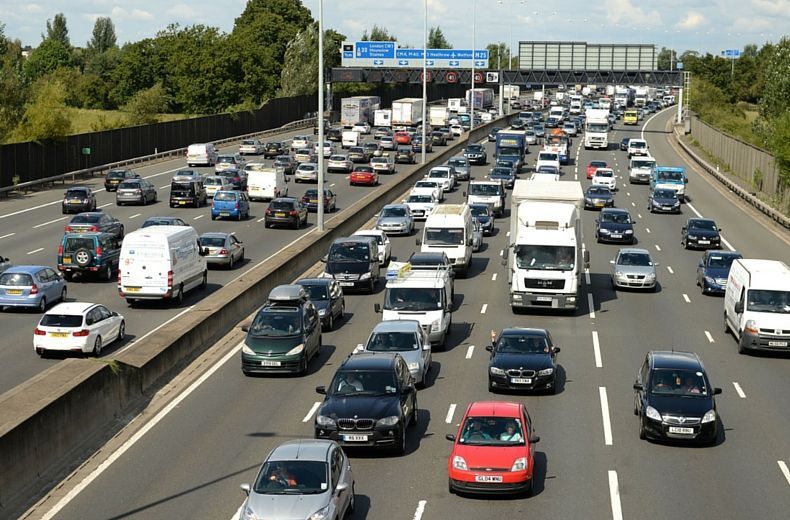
(190, 464)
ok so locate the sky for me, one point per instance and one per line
(701, 25)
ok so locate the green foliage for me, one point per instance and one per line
(437, 40)
(378, 34)
(139, 67)
(13, 90)
(49, 56)
(780, 146)
(497, 51)
(58, 31)
(144, 107)
(299, 74)
(103, 37)
(776, 95)
(45, 116)
(666, 59)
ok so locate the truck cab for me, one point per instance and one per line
(449, 229)
(511, 145)
(640, 169)
(487, 191)
(670, 178)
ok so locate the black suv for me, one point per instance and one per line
(78, 199)
(115, 177)
(285, 210)
(674, 398)
(89, 253)
(284, 335)
(187, 191)
(273, 149)
(370, 403)
(700, 233)
(286, 162)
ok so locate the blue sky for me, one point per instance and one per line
(703, 25)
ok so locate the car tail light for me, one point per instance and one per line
(169, 280)
(223, 251)
(81, 333)
(39, 332)
(67, 229)
(34, 289)
(60, 250)
(236, 206)
(268, 211)
(292, 212)
(98, 251)
(94, 228)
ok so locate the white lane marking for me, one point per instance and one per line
(628, 193)
(607, 423)
(35, 251)
(332, 185)
(614, 496)
(587, 276)
(135, 215)
(133, 343)
(163, 187)
(597, 350)
(692, 208)
(507, 234)
(591, 304)
(493, 277)
(650, 119)
(658, 248)
(633, 204)
(484, 308)
(647, 229)
(450, 414)
(198, 217)
(669, 268)
(261, 219)
(686, 298)
(785, 471)
(723, 240)
(101, 468)
(710, 338)
(575, 177)
(105, 205)
(7, 235)
(312, 410)
(738, 389)
(50, 222)
(470, 351)
(501, 252)
(420, 510)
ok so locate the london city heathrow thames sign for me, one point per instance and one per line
(387, 54)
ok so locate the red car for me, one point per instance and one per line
(363, 175)
(494, 450)
(402, 138)
(594, 165)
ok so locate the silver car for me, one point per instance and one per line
(223, 249)
(395, 218)
(633, 268)
(407, 338)
(306, 172)
(305, 478)
(462, 167)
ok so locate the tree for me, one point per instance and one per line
(58, 31)
(666, 59)
(378, 34)
(103, 37)
(498, 54)
(299, 74)
(436, 39)
(50, 55)
(140, 66)
(780, 146)
(144, 107)
(46, 115)
(776, 94)
(13, 90)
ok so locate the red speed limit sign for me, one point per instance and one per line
(478, 77)
(451, 77)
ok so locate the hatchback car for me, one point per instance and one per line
(674, 398)
(339, 163)
(485, 216)
(251, 147)
(163, 221)
(286, 162)
(215, 183)
(598, 197)
(388, 143)
(461, 166)
(404, 154)
(522, 359)
(328, 298)
(301, 141)
(364, 175)
(284, 335)
(228, 161)
(395, 219)
(663, 200)
(306, 172)
(421, 204)
(624, 144)
(310, 200)
(78, 199)
(224, 249)
(438, 138)
(605, 177)
(476, 154)
(135, 191)
(358, 154)
(305, 155)
(592, 166)
(77, 327)
(614, 225)
(713, 270)
(95, 221)
(230, 204)
(31, 286)
(329, 149)
(700, 233)
(301, 479)
(408, 339)
(633, 268)
(416, 145)
(506, 175)
(89, 253)
(370, 403)
(493, 132)
(493, 450)
(285, 210)
(382, 241)
(115, 177)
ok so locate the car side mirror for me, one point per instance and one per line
(325, 258)
(685, 181)
(450, 437)
(463, 194)
(701, 264)
(683, 228)
(719, 230)
(418, 242)
(245, 328)
(341, 486)
(377, 307)
(114, 314)
(639, 386)
(716, 391)
(556, 350)
(633, 222)
(490, 348)
(738, 307)
(320, 390)
(246, 489)
(534, 439)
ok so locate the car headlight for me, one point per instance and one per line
(322, 312)
(496, 371)
(322, 513)
(460, 463)
(628, 231)
(709, 416)
(546, 372)
(710, 279)
(519, 465)
(249, 514)
(652, 413)
(324, 420)
(247, 350)
(392, 420)
(436, 325)
(414, 366)
(325, 275)
(693, 237)
(296, 350)
(604, 231)
(364, 276)
(676, 203)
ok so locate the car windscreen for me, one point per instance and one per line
(281, 205)
(392, 342)
(116, 174)
(316, 291)
(705, 225)
(83, 218)
(522, 345)
(61, 320)
(643, 164)
(763, 300)
(665, 194)
(420, 198)
(225, 196)
(349, 383)
(72, 244)
(545, 258)
(252, 143)
(181, 187)
(548, 157)
(444, 236)
(492, 431)
(682, 382)
(277, 323)
(604, 173)
(480, 211)
(349, 252)
(292, 477)
(458, 162)
(307, 168)
(721, 261)
(637, 144)
(16, 279)
(501, 172)
(438, 174)
(413, 299)
(212, 241)
(637, 259)
(225, 159)
(615, 217)
(598, 191)
(485, 189)
(393, 212)
(213, 181)
(76, 194)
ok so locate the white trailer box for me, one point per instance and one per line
(449, 229)
(484, 97)
(358, 109)
(511, 91)
(382, 117)
(438, 116)
(596, 128)
(407, 112)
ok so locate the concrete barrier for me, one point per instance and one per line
(52, 422)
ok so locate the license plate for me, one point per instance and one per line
(667, 208)
(703, 241)
(279, 214)
(132, 289)
(67, 260)
(313, 201)
(543, 298)
(59, 334)
(488, 478)
(346, 284)
(182, 202)
(616, 235)
(224, 214)
(270, 363)
(599, 204)
(355, 438)
(13, 291)
(681, 430)
(521, 380)
(75, 201)
(777, 343)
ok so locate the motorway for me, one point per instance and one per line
(33, 224)
(189, 461)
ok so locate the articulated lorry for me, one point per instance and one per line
(545, 259)
(407, 112)
(358, 109)
(484, 98)
(596, 128)
(640, 96)
(511, 91)
(511, 145)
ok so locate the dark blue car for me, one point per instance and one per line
(615, 225)
(713, 270)
(506, 175)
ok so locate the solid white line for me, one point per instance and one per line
(686, 297)
(738, 389)
(157, 328)
(658, 248)
(101, 468)
(484, 308)
(35, 251)
(723, 240)
(614, 495)
(50, 222)
(470, 351)
(785, 471)
(105, 205)
(587, 276)
(8, 235)
(163, 187)
(450, 413)
(650, 119)
(607, 423)
(692, 208)
(310, 413)
(493, 277)
(726, 243)
(710, 338)
(647, 229)
(597, 350)
(420, 509)
(669, 268)
(591, 304)
(198, 217)
(135, 215)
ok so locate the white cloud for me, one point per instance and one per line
(692, 20)
(773, 7)
(119, 13)
(32, 8)
(184, 12)
(625, 11)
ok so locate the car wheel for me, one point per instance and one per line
(108, 273)
(239, 217)
(131, 302)
(241, 258)
(303, 366)
(230, 262)
(121, 331)
(96, 347)
(413, 418)
(330, 324)
(180, 298)
(122, 232)
(213, 217)
(42, 304)
(450, 487)
(400, 448)
(372, 286)
(352, 501)
(642, 431)
(63, 295)
(204, 282)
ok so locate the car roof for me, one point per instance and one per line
(675, 359)
(96, 213)
(524, 331)
(494, 409)
(723, 252)
(284, 199)
(87, 234)
(362, 239)
(302, 449)
(25, 269)
(220, 234)
(70, 308)
(314, 281)
(614, 210)
(636, 250)
(370, 361)
(426, 257)
(696, 219)
(397, 326)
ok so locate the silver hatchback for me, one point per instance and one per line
(408, 339)
(306, 478)
(633, 268)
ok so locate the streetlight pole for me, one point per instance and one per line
(320, 116)
(474, 42)
(424, 80)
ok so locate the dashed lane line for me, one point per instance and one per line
(35, 251)
(658, 247)
(484, 308)
(591, 305)
(607, 423)
(7, 235)
(785, 471)
(312, 410)
(686, 298)
(669, 268)
(105, 205)
(48, 222)
(647, 229)
(493, 277)
(710, 338)
(135, 215)
(470, 351)
(420, 510)
(597, 349)
(450, 413)
(739, 390)
(198, 217)
(614, 496)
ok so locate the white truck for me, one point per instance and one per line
(487, 191)
(438, 116)
(358, 109)
(407, 112)
(610, 89)
(382, 117)
(576, 104)
(545, 259)
(511, 91)
(483, 97)
(422, 295)
(596, 128)
(623, 96)
(457, 105)
(640, 96)
(449, 229)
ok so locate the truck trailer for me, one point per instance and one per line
(407, 112)
(358, 109)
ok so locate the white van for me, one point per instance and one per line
(757, 305)
(449, 229)
(349, 138)
(202, 154)
(265, 182)
(161, 262)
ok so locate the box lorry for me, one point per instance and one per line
(449, 229)
(358, 109)
(457, 105)
(511, 91)
(596, 128)
(484, 97)
(545, 259)
(382, 117)
(511, 145)
(438, 116)
(407, 112)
